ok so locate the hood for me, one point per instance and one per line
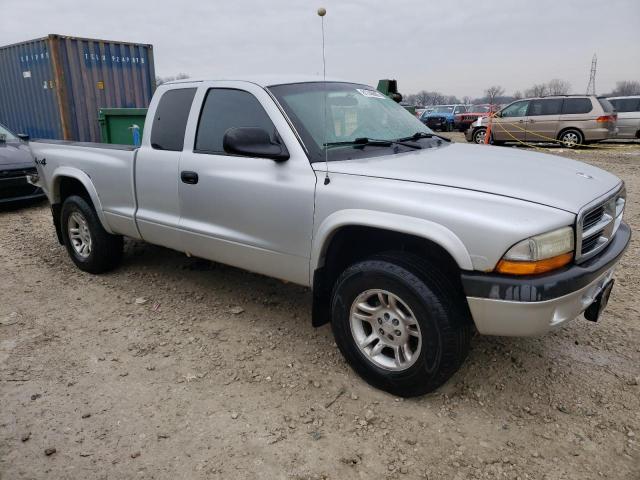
(15, 155)
(535, 177)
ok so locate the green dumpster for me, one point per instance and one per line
(390, 89)
(121, 126)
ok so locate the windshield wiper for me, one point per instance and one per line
(419, 135)
(361, 142)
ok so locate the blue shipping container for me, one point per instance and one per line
(53, 87)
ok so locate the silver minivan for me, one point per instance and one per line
(628, 109)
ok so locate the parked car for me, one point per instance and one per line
(16, 163)
(462, 121)
(572, 120)
(441, 116)
(628, 110)
(408, 241)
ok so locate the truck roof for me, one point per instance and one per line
(263, 80)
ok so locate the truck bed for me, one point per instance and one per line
(107, 171)
(71, 143)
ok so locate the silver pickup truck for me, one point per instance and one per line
(409, 242)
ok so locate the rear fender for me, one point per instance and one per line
(85, 180)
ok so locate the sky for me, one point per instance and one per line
(455, 47)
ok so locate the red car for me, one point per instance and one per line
(463, 121)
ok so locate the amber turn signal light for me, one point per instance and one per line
(511, 267)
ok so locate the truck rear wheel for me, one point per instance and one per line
(400, 324)
(89, 245)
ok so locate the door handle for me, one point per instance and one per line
(520, 121)
(531, 121)
(189, 177)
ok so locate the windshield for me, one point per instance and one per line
(352, 112)
(443, 109)
(6, 135)
(479, 109)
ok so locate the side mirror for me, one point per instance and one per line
(253, 142)
(23, 136)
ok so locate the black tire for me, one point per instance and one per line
(438, 306)
(475, 138)
(571, 133)
(106, 249)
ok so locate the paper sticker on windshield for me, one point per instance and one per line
(370, 93)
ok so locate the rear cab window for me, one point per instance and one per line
(226, 108)
(170, 119)
(576, 105)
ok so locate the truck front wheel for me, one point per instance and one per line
(400, 324)
(89, 245)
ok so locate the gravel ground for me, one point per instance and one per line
(173, 367)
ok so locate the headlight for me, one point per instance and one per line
(539, 254)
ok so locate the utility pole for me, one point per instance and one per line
(591, 87)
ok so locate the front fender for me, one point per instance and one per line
(387, 221)
(77, 174)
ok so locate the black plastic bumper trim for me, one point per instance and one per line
(538, 288)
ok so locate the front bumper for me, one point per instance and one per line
(436, 122)
(16, 189)
(533, 305)
(468, 134)
(462, 125)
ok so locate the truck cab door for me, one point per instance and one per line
(252, 213)
(509, 125)
(156, 168)
(543, 118)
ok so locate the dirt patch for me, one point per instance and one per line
(171, 367)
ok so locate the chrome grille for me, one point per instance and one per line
(590, 242)
(593, 217)
(597, 224)
(17, 172)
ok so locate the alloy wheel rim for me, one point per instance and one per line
(570, 139)
(385, 330)
(79, 234)
(480, 136)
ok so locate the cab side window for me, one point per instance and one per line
(226, 108)
(549, 106)
(518, 109)
(576, 105)
(170, 119)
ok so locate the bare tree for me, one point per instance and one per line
(558, 87)
(180, 76)
(493, 92)
(436, 98)
(538, 90)
(421, 98)
(517, 95)
(449, 99)
(467, 100)
(626, 87)
(426, 98)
